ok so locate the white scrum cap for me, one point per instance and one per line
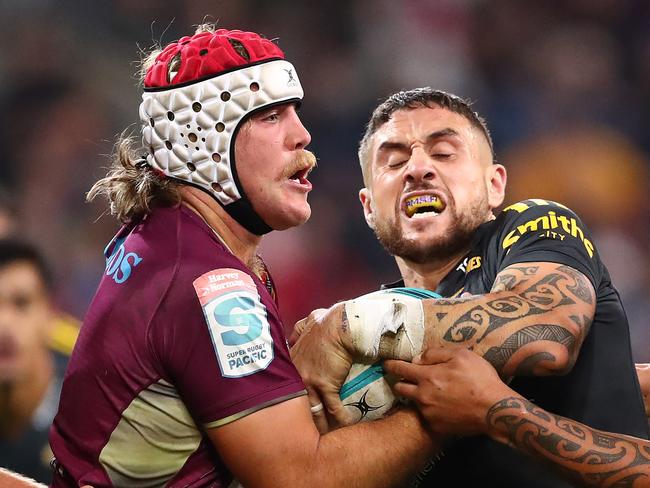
(197, 94)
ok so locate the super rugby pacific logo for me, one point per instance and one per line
(237, 321)
(240, 333)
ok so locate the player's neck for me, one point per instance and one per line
(236, 238)
(427, 275)
(20, 399)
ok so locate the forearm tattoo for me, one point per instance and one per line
(586, 455)
(543, 307)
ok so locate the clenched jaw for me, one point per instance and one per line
(418, 206)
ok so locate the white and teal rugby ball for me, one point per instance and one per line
(366, 393)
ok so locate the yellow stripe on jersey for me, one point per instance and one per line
(517, 207)
(532, 202)
(455, 295)
(64, 333)
(539, 201)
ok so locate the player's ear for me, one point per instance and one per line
(365, 199)
(496, 185)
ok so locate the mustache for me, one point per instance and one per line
(304, 160)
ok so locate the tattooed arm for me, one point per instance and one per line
(476, 401)
(588, 456)
(532, 322)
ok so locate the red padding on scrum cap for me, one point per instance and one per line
(218, 56)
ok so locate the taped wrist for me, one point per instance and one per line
(386, 325)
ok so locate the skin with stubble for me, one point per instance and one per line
(462, 176)
(427, 152)
(432, 154)
(266, 162)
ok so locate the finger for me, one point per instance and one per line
(406, 390)
(402, 369)
(320, 419)
(298, 330)
(317, 410)
(336, 409)
(435, 355)
(313, 396)
(293, 337)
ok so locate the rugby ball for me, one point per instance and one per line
(366, 393)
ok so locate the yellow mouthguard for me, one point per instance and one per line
(415, 203)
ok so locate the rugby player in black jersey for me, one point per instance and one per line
(525, 289)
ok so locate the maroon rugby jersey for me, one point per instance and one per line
(180, 337)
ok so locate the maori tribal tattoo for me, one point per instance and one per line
(588, 456)
(528, 303)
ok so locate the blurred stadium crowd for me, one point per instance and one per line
(565, 89)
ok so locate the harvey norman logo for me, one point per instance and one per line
(553, 226)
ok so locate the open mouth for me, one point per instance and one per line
(300, 176)
(420, 206)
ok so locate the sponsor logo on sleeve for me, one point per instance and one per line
(550, 226)
(237, 321)
(120, 264)
(533, 202)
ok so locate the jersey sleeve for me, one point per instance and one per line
(545, 231)
(224, 349)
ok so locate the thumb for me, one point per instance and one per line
(336, 409)
(298, 329)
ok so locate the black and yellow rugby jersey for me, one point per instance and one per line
(601, 390)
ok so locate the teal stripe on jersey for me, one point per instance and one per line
(373, 373)
(415, 293)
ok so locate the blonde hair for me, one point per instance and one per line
(132, 187)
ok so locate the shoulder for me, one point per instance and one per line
(542, 218)
(533, 206)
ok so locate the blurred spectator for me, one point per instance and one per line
(7, 213)
(604, 177)
(35, 343)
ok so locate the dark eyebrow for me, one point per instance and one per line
(400, 146)
(389, 146)
(441, 134)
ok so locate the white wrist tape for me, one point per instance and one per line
(386, 324)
